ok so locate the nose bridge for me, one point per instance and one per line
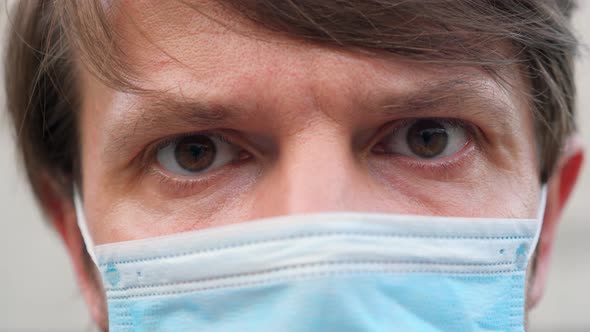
(316, 172)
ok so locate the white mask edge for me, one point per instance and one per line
(83, 225)
(89, 243)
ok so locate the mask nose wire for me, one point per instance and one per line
(83, 225)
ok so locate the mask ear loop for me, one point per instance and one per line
(539, 220)
(83, 226)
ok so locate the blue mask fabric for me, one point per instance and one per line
(323, 272)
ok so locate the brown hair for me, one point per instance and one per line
(48, 38)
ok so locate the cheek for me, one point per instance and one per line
(477, 188)
(484, 192)
(119, 215)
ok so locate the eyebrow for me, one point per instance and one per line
(166, 110)
(470, 96)
(186, 111)
(173, 112)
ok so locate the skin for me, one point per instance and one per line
(309, 119)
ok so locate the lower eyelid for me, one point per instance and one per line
(401, 126)
(150, 155)
(455, 159)
(180, 186)
(190, 184)
(454, 167)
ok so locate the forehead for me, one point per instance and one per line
(208, 53)
(200, 41)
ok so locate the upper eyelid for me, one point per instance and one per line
(387, 129)
(390, 127)
(395, 125)
(148, 155)
(467, 96)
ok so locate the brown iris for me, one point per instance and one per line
(427, 138)
(195, 153)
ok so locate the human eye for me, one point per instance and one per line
(196, 155)
(425, 139)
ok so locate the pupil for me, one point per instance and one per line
(427, 138)
(195, 153)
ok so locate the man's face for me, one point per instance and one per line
(247, 124)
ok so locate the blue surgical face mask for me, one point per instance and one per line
(323, 272)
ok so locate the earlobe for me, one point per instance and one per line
(52, 205)
(560, 187)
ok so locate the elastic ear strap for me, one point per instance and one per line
(540, 218)
(83, 226)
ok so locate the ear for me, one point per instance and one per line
(559, 188)
(60, 209)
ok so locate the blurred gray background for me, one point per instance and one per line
(38, 291)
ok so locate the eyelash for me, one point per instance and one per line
(178, 183)
(438, 167)
(391, 127)
(441, 167)
(149, 156)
